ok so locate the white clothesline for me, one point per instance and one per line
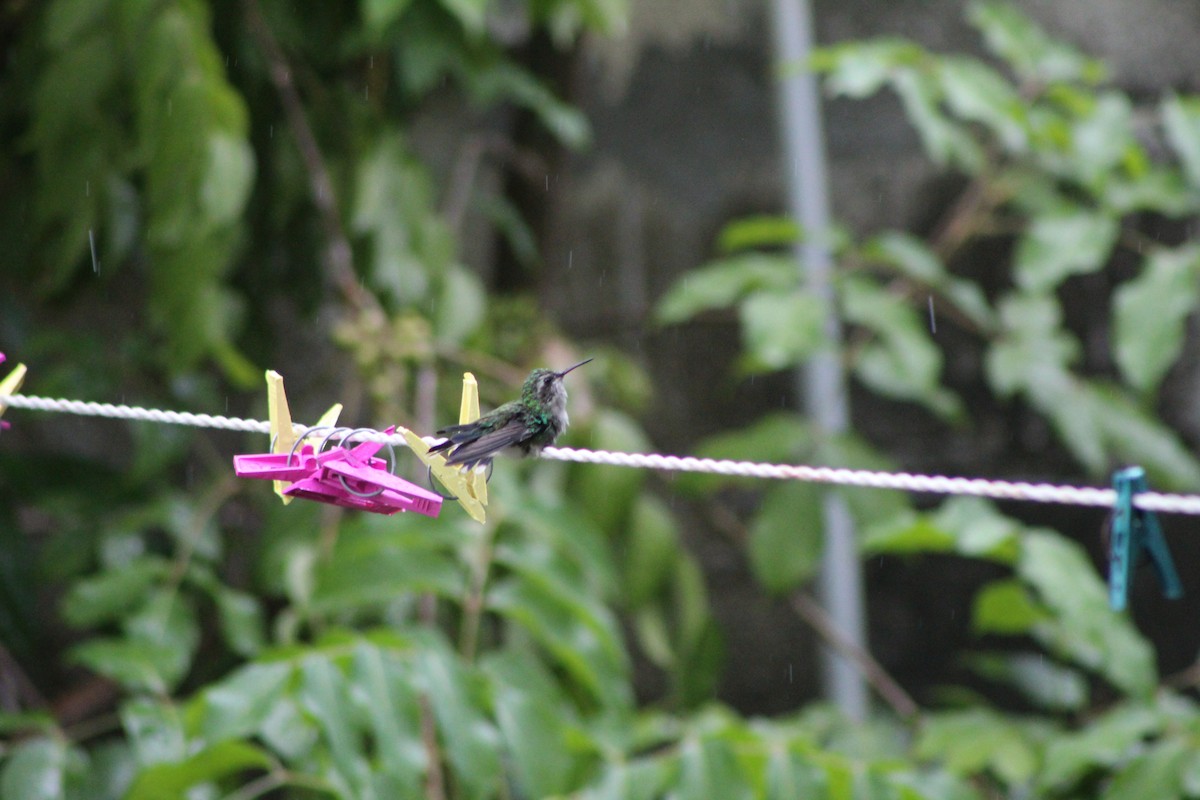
(903, 481)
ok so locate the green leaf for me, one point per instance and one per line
(505, 80)
(1157, 773)
(392, 203)
(1103, 141)
(1010, 34)
(1104, 743)
(643, 778)
(324, 694)
(909, 533)
(112, 593)
(978, 93)
(1158, 188)
(576, 630)
(530, 710)
(167, 624)
(978, 740)
(913, 258)
(33, 770)
(1150, 312)
(1033, 349)
(946, 141)
(26, 721)
(753, 232)
(1181, 123)
(379, 14)
(136, 665)
(236, 707)
(860, 69)
(470, 13)
(471, 741)
(1082, 627)
(382, 686)
(979, 530)
(724, 282)
(171, 781)
(792, 774)
(608, 494)
(369, 567)
(651, 547)
(968, 526)
(1137, 437)
(227, 180)
(461, 306)
(787, 536)
(66, 20)
(1063, 244)
(1005, 607)
(781, 330)
(241, 621)
(1045, 683)
(709, 769)
(155, 729)
(901, 361)
(698, 644)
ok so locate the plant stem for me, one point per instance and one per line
(884, 684)
(473, 601)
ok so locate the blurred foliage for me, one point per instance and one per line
(182, 640)
(1063, 177)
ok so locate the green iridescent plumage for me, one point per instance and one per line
(527, 425)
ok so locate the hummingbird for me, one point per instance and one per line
(528, 424)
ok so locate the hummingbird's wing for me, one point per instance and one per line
(472, 444)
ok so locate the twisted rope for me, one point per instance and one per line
(902, 481)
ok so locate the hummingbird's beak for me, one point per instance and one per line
(568, 369)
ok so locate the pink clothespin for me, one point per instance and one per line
(301, 464)
(347, 477)
(355, 480)
(385, 492)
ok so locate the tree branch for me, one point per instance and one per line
(338, 258)
(884, 684)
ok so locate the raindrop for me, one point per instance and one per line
(92, 244)
(790, 677)
(570, 257)
(168, 106)
(87, 188)
(932, 318)
(547, 181)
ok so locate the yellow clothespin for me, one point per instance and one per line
(283, 433)
(469, 488)
(468, 411)
(11, 383)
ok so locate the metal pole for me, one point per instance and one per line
(822, 383)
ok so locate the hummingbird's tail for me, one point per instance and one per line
(473, 444)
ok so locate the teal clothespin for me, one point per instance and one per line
(1134, 530)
